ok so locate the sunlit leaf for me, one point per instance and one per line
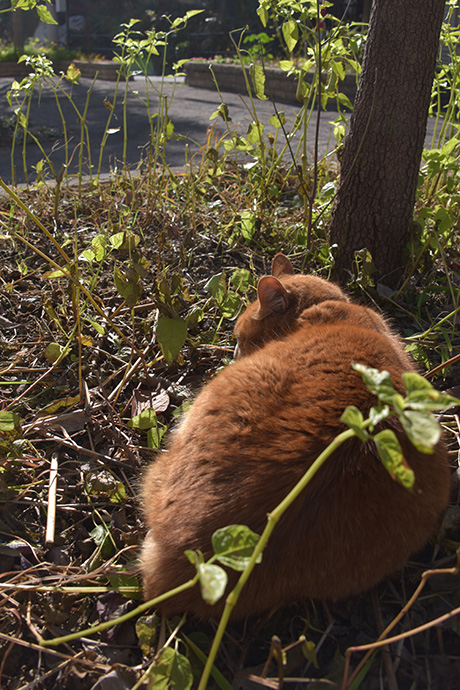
(354, 419)
(258, 79)
(222, 111)
(391, 455)
(422, 396)
(309, 652)
(421, 428)
(45, 15)
(55, 352)
(231, 306)
(290, 34)
(234, 545)
(73, 74)
(254, 133)
(213, 580)
(55, 273)
(277, 120)
(248, 224)
(263, 14)
(145, 420)
(378, 382)
(242, 279)
(154, 436)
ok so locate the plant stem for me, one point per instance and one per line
(121, 619)
(273, 519)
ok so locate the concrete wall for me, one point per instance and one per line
(278, 85)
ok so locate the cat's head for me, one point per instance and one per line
(281, 299)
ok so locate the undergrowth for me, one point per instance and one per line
(117, 300)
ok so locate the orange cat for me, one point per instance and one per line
(255, 429)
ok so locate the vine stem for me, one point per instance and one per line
(55, 642)
(273, 519)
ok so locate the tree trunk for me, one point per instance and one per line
(382, 153)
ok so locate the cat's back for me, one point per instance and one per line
(297, 385)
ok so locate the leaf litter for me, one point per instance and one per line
(87, 385)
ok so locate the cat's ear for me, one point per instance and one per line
(281, 266)
(273, 297)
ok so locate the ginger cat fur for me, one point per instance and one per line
(255, 429)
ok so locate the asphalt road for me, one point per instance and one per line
(189, 109)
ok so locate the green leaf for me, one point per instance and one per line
(195, 557)
(128, 285)
(87, 255)
(222, 111)
(234, 545)
(116, 240)
(124, 241)
(415, 382)
(277, 120)
(99, 534)
(99, 247)
(147, 419)
(290, 34)
(377, 414)
(241, 279)
(9, 421)
(171, 672)
(309, 652)
(421, 428)
(146, 631)
(254, 134)
(258, 79)
(171, 335)
(73, 74)
(263, 14)
(97, 326)
(353, 418)
(213, 581)
(192, 13)
(286, 65)
(123, 578)
(194, 317)
(217, 287)
(169, 129)
(45, 15)
(344, 100)
(231, 306)
(154, 436)
(55, 352)
(378, 382)
(422, 396)
(56, 273)
(391, 455)
(248, 224)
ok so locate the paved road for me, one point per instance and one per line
(188, 108)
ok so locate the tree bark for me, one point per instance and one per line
(382, 153)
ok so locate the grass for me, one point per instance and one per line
(119, 297)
